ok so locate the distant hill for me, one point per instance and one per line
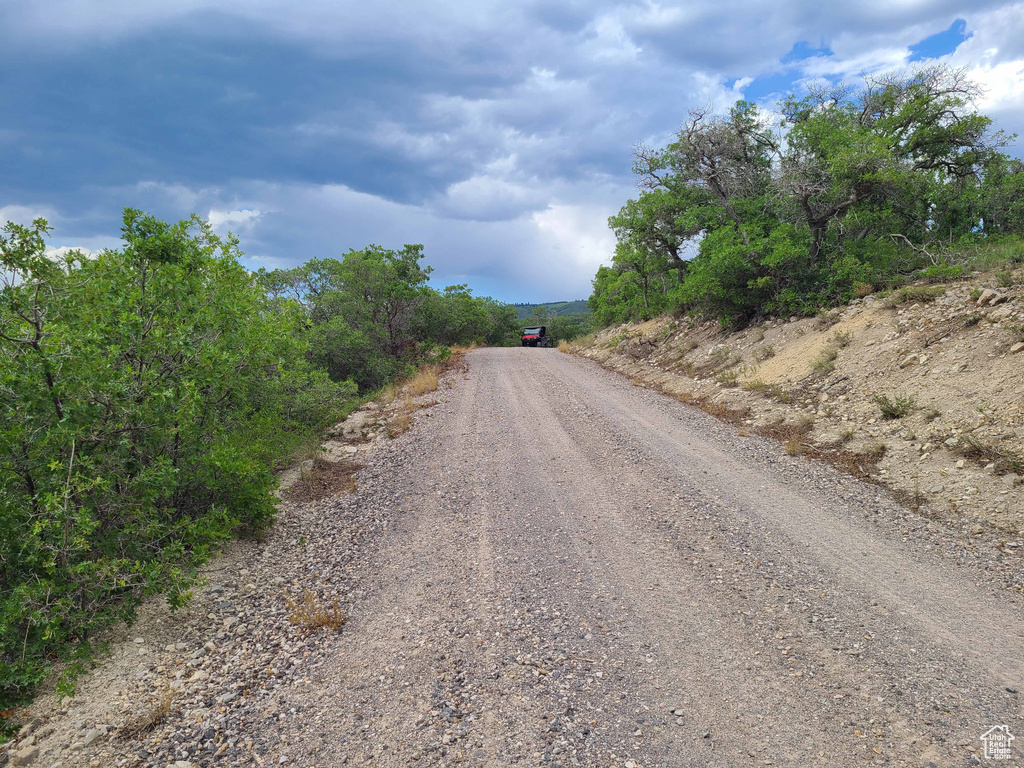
(560, 308)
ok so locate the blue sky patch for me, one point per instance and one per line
(941, 43)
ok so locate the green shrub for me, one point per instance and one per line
(942, 274)
(148, 393)
(914, 294)
(826, 362)
(896, 407)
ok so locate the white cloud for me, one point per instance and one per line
(64, 250)
(238, 222)
(26, 214)
(578, 234)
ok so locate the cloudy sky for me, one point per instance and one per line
(498, 134)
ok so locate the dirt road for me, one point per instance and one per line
(582, 572)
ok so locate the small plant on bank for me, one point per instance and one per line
(942, 274)
(793, 447)
(842, 339)
(729, 378)
(860, 290)
(402, 419)
(424, 381)
(1005, 278)
(914, 294)
(1005, 460)
(895, 407)
(312, 613)
(155, 714)
(764, 353)
(826, 362)
(826, 320)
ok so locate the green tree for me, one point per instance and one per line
(147, 394)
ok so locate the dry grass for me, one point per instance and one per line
(327, 478)
(564, 346)
(1005, 460)
(856, 463)
(780, 429)
(312, 613)
(826, 362)
(424, 381)
(774, 391)
(402, 419)
(793, 447)
(914, 294)
(387, 395)
(155, 714)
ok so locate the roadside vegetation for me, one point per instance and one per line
(150, 393)
(855, 190)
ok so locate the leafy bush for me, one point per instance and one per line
(914, 294)
(896, 407)
(858, 188)
(147, 394)
(942, 274)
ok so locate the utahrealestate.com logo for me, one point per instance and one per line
(997, 742)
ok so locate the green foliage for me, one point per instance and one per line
(914, 294)
(147, 394)
(854, 188)
(895, 407)
(373, 317)
(559, 308)
(942, 273)
(559, 327)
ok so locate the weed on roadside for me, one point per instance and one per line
(914, 294)
(728, 378)
(156, 712)
(780, 429)
(842, 339)
(895, 407)
(774, 391)
(402, 419)
(312, 613)
(424, 381)
(826, 320)
(826, 362)
(326, 478)
(1005, 460)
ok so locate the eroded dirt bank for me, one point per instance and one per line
(945, 363)
(556, 567)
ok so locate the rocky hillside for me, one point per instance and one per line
(921, 389)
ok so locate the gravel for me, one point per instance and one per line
(556, 568)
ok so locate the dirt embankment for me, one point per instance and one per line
(921, 390)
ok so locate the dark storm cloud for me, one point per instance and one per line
(497, 134)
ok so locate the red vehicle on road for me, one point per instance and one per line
(536, 337)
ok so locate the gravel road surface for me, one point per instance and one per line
(578, 571)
